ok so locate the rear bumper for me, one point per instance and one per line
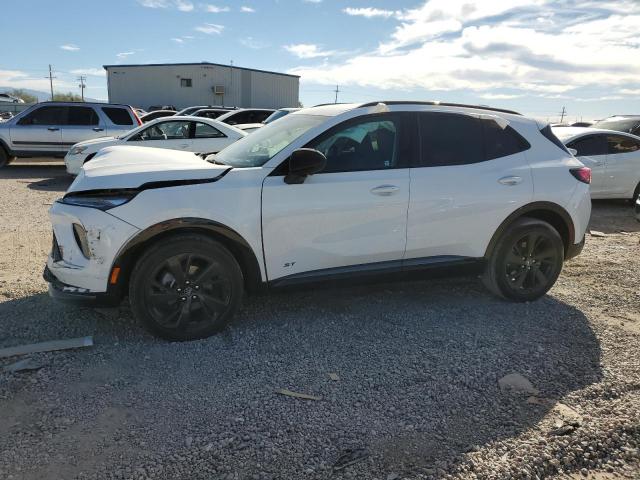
(79, 296)
(575, 249)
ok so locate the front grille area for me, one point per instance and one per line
(56, 254)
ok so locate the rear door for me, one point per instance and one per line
(592, 151)
(118, 120)
(623, 166)
(208, 139)
(40, 130)
(83, 123)
(471, 174)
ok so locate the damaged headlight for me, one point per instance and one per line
(102, 200)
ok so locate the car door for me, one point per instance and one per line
(471, 173)
(622, 166)
(40, 130)
(592, 152)
(83, 123)
(352, 214)
(172, 134)
(207, 138)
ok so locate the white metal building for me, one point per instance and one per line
(186, 84)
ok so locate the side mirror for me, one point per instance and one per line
(573, 151)
(302, 163)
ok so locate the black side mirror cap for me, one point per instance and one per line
(302, 163)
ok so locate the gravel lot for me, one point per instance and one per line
(417, 368)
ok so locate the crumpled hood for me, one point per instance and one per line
(130, 167)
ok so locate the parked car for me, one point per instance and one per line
(614, 159)
(50, 128)
(175, 133)
(153, 108)
(249, 127)
(7, 98)
(156, 114)
(281, 112)
(5, 115)
(140, 112)
(246, 115)
(209, 112)
(582, 124)
(192, 110)
(620, 123)
(321, 194)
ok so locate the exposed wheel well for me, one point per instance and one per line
(231, 240)
(553, 214)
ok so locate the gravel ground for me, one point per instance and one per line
(413, 390)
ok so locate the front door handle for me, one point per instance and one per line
(510, 181)
(384, 190)
(183, 145)
(53, 129)
(98, 129)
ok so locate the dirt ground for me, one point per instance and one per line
(418, 366)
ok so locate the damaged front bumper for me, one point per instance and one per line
(85, 244)
(80, 296)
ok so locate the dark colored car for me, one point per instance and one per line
(209, 112)
(154, 108)
(620, 123)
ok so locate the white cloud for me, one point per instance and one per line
(499, 96)
(210, 29)
(312, 1)
(94, 72)
(308, 50)
(484, 46)
(184, 6)
(216, 9)
(178, 40)
(251, 42)
(154, 3)
(245, 9)
(70, 47)
(20, 79)
(630, 91)
(124, 54)
(368, 12)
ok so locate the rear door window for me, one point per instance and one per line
(118, 116)
(617, 144)
(203, 130)
(82, 116)
(449, 139)
(589, 146)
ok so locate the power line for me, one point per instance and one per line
(82, 79)
(562, 114)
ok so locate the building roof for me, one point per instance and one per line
(106, 67)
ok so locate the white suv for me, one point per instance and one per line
(329, 192)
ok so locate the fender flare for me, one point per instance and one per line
(231, 239)
(550, 207)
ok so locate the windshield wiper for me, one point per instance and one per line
(210, 157)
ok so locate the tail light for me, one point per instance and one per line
(582, 174)
(135, 115)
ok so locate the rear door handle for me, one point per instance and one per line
(53, 129)
(98, 129)
(384, 190)
(510, 181)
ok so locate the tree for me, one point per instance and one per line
(66, 97)
(27, 97)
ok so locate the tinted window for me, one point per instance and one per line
(207, 131)
(617, 144)
(45, 116)
(185, 82)
(259, 117)
(210, 114)
(165, 131)
(589, 146)
(501, 142)
(450, 139)
(118, 116)
(366, 145)
(240, 117)
(82, 116)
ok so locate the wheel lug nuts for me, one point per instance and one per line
(194, 297)
(178, 290)
(187, 282)
(197, 287)
(183, 299)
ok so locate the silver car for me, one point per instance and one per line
(51, 128)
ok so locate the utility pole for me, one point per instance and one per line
(82, 85)
(337, 91)
(51, 77)
(562, 114)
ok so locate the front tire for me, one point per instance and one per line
(526, 261)
(4, 158)
(186, 287)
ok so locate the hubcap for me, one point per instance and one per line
(187, 291)
(531, 263)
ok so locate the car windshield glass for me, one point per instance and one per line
(262, 145)
(276, 115)
(618, 125)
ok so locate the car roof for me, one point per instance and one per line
(567, 134)
(99, 104)
(620, 117)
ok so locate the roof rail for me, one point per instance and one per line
(444, 104)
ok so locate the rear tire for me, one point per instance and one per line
(4, 158)
(186, 287)
(526, 261)
(636, 195)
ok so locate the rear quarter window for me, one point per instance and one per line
(118, 115)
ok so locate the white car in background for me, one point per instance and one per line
(614, 159)
(175, 133)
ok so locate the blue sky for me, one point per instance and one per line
(535, 56)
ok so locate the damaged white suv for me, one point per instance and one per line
(330, 192)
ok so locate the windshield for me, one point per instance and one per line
(626, 126)
(263, 144)
(276, 115)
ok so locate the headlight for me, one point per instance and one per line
(99, 200)
(77, 150)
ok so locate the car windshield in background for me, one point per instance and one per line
(618, 125)
(275, 116)
(266, 142)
